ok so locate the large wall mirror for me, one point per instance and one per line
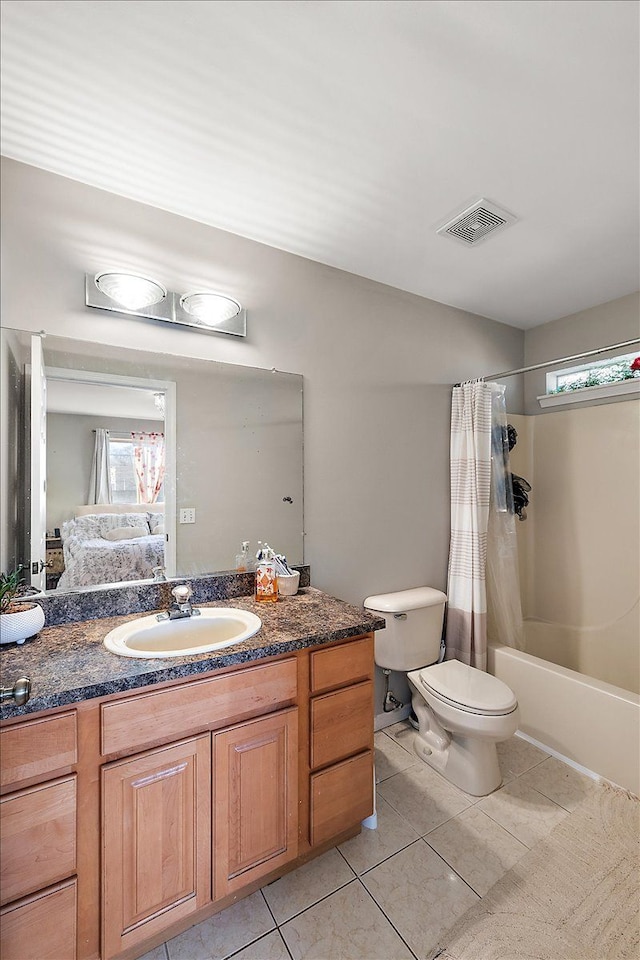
(197, 455)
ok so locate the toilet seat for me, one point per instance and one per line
(468, 689)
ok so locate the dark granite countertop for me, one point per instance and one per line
(68, 663)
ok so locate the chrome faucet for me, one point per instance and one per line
(181, 606)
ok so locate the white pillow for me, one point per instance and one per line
(126, 533)
(157, 527)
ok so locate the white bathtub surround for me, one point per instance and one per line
(594, 724)
(609, 651)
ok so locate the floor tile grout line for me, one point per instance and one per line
(439, 855)
(286, 945)
(387, 918)
(457, 873)
(276, 929)
(386, 859)
(273, 916)
(320, 900)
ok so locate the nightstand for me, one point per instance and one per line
(55, 561)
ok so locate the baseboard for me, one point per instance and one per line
(383, 720)
(563, 759)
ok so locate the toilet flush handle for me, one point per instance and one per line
(399, 616)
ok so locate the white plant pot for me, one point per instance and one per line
(16, 627)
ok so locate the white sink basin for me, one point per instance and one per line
(216, 627)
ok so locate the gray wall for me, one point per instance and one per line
(378, 364)
(612, 322)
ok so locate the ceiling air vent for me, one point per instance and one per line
(477, 222)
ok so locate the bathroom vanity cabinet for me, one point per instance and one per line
(128, 818)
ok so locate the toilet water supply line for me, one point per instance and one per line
(390, 701)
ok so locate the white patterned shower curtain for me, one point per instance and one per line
(466, 634)
(481, 517)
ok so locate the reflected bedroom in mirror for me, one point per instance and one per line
(125, 465)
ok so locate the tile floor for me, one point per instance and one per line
(392, 893)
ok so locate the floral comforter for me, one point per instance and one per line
(90, 558)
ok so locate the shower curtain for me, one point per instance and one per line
(479, 477)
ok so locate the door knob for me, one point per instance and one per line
(19, 692)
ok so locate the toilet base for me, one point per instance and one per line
(468, 763)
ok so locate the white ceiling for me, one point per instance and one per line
(100, 400)
(347, 132)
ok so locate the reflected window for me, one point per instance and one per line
(124, 488)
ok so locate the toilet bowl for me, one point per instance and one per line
(462, 712)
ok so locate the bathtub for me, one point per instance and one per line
(590, 722)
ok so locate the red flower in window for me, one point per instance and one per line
(636, 364)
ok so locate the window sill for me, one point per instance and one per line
(603, 391)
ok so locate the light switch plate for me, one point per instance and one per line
(187, 515)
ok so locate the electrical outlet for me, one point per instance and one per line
(187, 515)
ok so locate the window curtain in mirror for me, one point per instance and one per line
(149, 460)
(504, 607)
(100, 476)
(466, 632)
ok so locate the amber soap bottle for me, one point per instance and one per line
(266, 579)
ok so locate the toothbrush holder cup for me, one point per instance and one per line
(288, 586)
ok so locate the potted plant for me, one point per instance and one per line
(19, 618)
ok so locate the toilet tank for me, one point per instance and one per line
(411, 638)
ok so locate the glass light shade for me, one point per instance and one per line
(130, 291)
(210, 308)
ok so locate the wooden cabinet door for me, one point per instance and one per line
(255, 799)
(156, 856)
(42, 927)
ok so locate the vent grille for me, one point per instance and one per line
(476, 222)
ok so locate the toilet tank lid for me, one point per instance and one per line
(404, 600)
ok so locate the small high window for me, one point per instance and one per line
(595, 374)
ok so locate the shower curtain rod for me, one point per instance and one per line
(553, 363)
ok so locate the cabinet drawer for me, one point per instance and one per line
(341, 797)
(338, 666)
(38, 831)
(36, 748)
(42, 927)
(341, 724)
(174, 713)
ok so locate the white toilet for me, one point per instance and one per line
(462, 712)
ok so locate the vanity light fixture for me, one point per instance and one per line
(139, 296)
(130, 291)
(210, 308)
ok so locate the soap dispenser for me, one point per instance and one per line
(243, 563)
(266, 579)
